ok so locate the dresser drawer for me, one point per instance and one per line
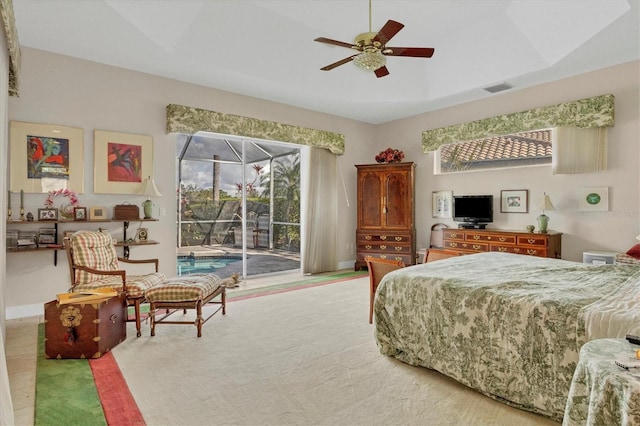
(532, 240)
(407, 260)
(464, 245)
(531, 251)
(398, 238)
(504, 239)
(451, 234)
(389, 247)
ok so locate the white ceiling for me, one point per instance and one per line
(265, 48)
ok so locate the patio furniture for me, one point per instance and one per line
(186, 292)
(94, 264)
(261, 232)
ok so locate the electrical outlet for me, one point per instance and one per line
(163, 211)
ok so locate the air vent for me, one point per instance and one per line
(498, 88)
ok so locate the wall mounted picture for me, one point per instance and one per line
(514, 201)
(48, 214)
(97, 213)
(593, 199)
(121, 162)
(442, 204)
(46, 157)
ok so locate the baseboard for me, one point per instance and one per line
(349, 264)
(23, 311)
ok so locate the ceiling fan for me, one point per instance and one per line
(373, 49)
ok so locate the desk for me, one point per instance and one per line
(602, 393)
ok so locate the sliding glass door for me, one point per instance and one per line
(238, 205)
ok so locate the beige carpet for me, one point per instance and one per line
(305, 357)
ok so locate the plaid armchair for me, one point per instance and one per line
(94, 264)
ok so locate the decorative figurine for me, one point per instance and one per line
(30, 217)
(530, 228)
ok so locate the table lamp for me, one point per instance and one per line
(149, 189)
(543, 219)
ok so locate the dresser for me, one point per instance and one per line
(467, 241)
(385, 223)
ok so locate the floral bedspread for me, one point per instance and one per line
(510, 326)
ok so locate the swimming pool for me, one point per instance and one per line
(188, 265)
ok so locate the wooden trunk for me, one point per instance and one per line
(84, 330)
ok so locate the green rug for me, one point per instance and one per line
(65, 391)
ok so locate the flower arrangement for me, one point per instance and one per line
(66, 210)
(390, 156)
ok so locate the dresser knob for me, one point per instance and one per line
(531, 240)
(383, 237)
(531, 251)
(399, 248)
(368, 247)
(383, 246)
(453, 244)
(476, 247)
(398, 238)
(502, 249)
(367, 237)
(476, 237)
(503, 239)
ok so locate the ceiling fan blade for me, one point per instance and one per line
(335, 42)
(382, 71)
(337, 64)
(418, 52)
(387, 32)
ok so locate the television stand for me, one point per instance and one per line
(472, 225)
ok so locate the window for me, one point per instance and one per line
(530, 148)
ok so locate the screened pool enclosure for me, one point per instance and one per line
(238, 198)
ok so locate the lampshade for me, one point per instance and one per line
(370, 61)
(545, 203)
(148, 188)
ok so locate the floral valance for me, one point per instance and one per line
(189, 120)
(585, 113)
(13, 45)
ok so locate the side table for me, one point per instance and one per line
(602, 393)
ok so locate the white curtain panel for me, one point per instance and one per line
(319, 254)
(578, 150)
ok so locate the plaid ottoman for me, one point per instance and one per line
(186, 292)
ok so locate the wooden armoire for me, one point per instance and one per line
(386, 227)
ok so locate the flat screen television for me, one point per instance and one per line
(473, 211)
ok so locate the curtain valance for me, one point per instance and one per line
(13, 45)
(189, 120)
(585, 113)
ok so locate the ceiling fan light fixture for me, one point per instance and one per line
(370, 61)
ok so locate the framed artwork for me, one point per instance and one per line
(79, 213)
(593, 199)
(46, 157)
(121, 162)
(97, 213)
(441, 204)
(514, 201)
(48, 214)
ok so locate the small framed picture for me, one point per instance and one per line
(514, 201)
(97, 213)
(79, 213)
(441, 204)
(48, 214)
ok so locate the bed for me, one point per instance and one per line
(507, 325)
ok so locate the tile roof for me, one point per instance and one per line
(516, 146)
